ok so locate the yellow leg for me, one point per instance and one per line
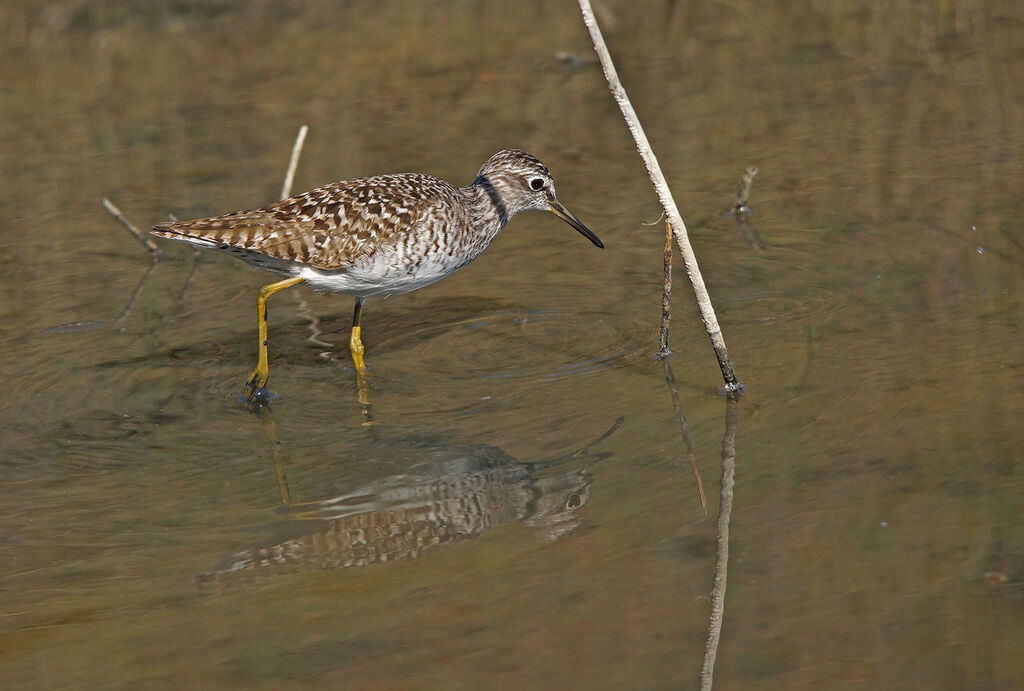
(355, 346)
(257, 383)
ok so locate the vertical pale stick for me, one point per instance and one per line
(707, 312)
(289, 177)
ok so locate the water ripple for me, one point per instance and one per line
(531, 346)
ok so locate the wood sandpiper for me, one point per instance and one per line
(375, 237)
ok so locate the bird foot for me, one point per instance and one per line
(258, 394)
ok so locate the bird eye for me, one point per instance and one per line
(537, 184)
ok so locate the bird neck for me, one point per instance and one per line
(489, 208)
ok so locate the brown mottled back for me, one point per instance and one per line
(328, 227)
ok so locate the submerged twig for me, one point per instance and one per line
(707, 669)
(750, 235)
(144, 239)
(684, 428)
(135, 293)
(741, 212)
(293, 163)
(197, 259)
(700, 292)
(739, 204)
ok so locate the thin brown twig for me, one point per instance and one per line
(144, 239)
(666, 298)
(700, 292)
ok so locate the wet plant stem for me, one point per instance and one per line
(666, 298)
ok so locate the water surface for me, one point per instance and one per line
(875, 538)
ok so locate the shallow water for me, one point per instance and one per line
(875, 531)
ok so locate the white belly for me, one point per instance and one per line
(377, 277)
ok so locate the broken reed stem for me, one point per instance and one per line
(144, 239)
(707, 311)
(293, 164)
(707, 669)
(666, 298)
(157, 253)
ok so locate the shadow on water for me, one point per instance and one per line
(431, 491)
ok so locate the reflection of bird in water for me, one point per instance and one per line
(445, 493)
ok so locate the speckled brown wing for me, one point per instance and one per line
(328, 227)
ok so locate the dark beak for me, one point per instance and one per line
(570, 218)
